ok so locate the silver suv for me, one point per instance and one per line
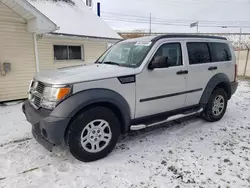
(135, 84)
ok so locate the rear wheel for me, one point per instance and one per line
(93, 134)
(216, 106)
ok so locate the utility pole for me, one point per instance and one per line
(239, 46)
(240, 34)
(197, 27)
(150, 24)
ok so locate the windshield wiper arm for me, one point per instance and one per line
(111, 63)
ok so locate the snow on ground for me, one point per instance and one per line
(191, 153)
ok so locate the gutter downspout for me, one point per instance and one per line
(36, 53)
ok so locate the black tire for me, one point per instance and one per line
(80, 122)
(208, 113)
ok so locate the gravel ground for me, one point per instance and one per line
(185, 153)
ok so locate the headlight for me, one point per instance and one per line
(53, 95)
(31, 84)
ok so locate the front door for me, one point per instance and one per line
(162, 89)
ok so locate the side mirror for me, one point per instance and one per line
(158, 62)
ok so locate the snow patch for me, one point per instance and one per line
(74, 20)
(191, 153)
(66, 1)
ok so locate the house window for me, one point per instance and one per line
(63, 52)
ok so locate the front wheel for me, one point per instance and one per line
(93, 134)
(216, 106)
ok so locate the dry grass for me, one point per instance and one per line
(243, 77)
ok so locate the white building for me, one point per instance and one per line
(37, 35)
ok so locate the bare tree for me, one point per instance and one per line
(134, 34)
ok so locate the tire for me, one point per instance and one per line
(83, 128)
(211, 112)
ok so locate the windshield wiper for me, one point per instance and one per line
(111, 63)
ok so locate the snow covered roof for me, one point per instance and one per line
(74, 18)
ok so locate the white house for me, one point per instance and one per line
(37, 35)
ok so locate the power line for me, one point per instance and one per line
(138, 17)
(141, 21)
(170, 23)
(201, 2)
(173, 24)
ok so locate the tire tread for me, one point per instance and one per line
(207, 114)
(80, 121)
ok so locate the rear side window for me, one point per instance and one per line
(198, 53)
(220, 52)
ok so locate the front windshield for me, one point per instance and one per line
(129, 54)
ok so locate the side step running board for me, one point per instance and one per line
(170, 118)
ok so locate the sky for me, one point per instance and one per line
(130, 15)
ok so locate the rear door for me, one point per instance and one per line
(206, 59)
(200, 69)
(223, 57)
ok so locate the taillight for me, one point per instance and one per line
(235, 72)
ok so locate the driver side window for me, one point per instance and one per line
(173, 53)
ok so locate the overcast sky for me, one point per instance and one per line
(219, 12)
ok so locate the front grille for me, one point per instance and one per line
(40, 87)
(36, 93)
(37, 101)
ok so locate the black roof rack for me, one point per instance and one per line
(186, 36)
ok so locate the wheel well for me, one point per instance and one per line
(108, 105)
(226, 87)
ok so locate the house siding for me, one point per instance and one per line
(16, 47)
(8, 15)
(92, 50)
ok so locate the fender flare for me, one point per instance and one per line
(73, 104)
(212, 84)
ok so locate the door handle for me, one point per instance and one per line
(212, 68)
(182, 72)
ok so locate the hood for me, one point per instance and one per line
(83, 73)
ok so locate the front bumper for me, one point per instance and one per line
(49, 146)
(47, 130)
